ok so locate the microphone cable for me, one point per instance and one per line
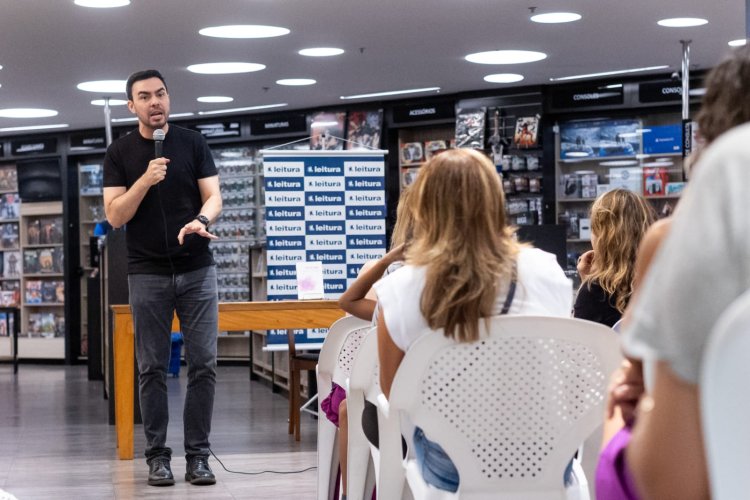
(159, 136)
(259, 472)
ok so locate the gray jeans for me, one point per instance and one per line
(154, 299)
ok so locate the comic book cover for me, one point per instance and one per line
(655, 181)
(526, 134)
(327, 130)
(364, 129)
(470, 128)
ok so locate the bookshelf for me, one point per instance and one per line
(10, 249)
(42, 285)
(90, 213)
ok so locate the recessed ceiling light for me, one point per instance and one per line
(296, 81)
(112, 102)
(321, 52)
(33, 127)
(103, 86)
(503, 78)
(391, 92)
(506, 57)
(244, 31)
(225, 68)
(215, 98)
(556, 17)
(608, 73)
(237, 110)
(102, 4)
(734, 43)
(682, 22)
(27, 113)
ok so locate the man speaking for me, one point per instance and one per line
(161, 181)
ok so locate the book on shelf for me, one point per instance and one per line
(4, 324)
(9, 298)
(48, 292)
(12, 264)
(43, 260)
(33, 291)
(433, 147)
(51, 230)
(674, 188)
(9, 205)
(409, 175)
(570, 186)
(9, 235)
(655, 181)
(33, 231)
(45, 324)
(411, 153)
(91, 179)
(526, 135)
(8, 178)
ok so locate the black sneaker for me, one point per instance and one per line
(159, 472)
(198, 471)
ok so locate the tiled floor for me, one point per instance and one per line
(55, 442)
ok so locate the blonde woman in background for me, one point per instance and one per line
(619, 219)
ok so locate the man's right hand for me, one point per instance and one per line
(156, 171)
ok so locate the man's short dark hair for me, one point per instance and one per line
(142, 75)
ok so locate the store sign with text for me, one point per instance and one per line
(91, 140)
(423, 112)
(284, 124)
(33, 146)
(585, 97)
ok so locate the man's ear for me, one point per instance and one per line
(131, 106)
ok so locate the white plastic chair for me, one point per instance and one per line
(725, 404)
(334, 364)
(362, 456)
(510, 410)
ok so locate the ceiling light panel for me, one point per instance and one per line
(238, 110)
(103, 86)
(556, 17)
(102, 4)
(608, 73)
(734, 43)
(34, 127)
(215, 98)
(294, 82)
(682, 22)
(112, 102)
(321, 52)
(225, 68)
(506, 57)
(27, 113)
(503, 78)
(244, 31)
(391, 92)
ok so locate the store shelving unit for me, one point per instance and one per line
(585, 171)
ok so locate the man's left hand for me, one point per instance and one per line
(195, 226)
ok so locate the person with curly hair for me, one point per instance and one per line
(619, 219)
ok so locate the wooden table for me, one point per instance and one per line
(234, 316)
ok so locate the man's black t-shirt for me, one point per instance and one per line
(152, 244)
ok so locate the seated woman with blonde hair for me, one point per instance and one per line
(462, 265)
(619, 219)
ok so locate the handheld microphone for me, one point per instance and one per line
(159, 136)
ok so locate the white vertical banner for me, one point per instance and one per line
(324, 206)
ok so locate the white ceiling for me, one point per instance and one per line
(49, 46)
